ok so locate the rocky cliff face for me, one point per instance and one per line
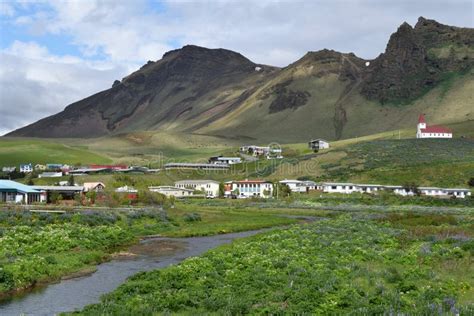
(412, 64)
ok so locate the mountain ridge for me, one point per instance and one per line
(325, 93)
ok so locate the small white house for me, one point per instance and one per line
(171, 191)
(434, 131)
(94, 186)
(346, 188)
(209, 187)
(317, 144)
(26, 168)
(249, 188)
(225, 160)
(8, 169)
(126, 189)
(299, 186)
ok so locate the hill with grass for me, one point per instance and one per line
(216, 92)
(15, 151)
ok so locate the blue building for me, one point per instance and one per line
(14, 192)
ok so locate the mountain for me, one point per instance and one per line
(424, 69)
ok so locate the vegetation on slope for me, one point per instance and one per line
(39, 247)
(15, 151)
(412, 266)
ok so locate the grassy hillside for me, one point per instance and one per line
(14, 151)
(393, 157)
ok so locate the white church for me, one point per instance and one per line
(434, 131)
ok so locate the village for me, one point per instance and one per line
(15, 192)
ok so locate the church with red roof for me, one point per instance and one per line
(433, 131)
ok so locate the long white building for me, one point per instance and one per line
(348, 188)
(249, 188)
(209, 187)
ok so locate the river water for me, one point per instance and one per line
(74, 294)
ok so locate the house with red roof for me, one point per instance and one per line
(433, 131)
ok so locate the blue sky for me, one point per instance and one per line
(56, 52)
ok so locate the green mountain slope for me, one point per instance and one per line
(215, 92)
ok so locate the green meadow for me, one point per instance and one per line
(14, 151)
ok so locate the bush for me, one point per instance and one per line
(192, 217)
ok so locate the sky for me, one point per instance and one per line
(53, 53)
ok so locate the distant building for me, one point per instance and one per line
(94, 186)
(317, 144)
(50, 175)
(112, 167)
(299, 186)
(67, 192)
(268, 151)
(8, 169)
(131, 193)
(196, 166)
(40, 167)
(14, 192)
(249, 188)
(26, 168)
(348, 188)
(434, 131)
(171, 191)
(225, 160)
(209, 187)
(54, 166)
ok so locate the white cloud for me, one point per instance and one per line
(35, 83)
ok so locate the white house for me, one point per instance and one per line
(434, 131)
(209, 187)
(299, 186)
(330, 187)
(126, 189)
(8, 169)
(317, 144)
(26, 168)
(171, 191)
(249, 188)
(94, 186)
(225, 160)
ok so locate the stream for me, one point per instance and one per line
(75, 293)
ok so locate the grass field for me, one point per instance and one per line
(43, 247)
(417, 264)
(393, 157)
(15, 151)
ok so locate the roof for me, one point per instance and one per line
(318, 140)
(168, 188)
(196, 165)
(435, 129)
(421, 119)
(288, 181)
(196, 181)
(92, 185)
(251, 181)
(59, 188)
(12, 185)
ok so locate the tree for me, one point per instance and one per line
(30, 181)
(281, 190)
(221, 189)
(471, 182)
(55, 197)
(70, 181)
(91, 195)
